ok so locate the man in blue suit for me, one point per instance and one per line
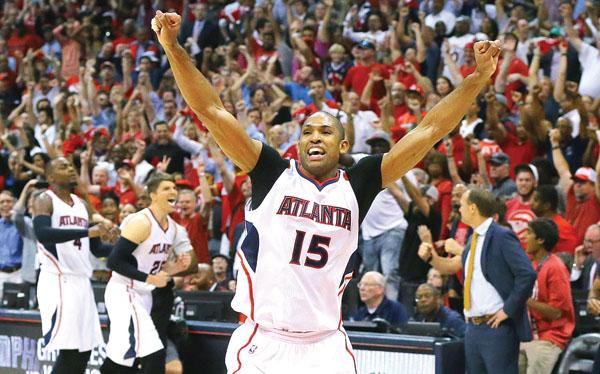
(499, 279)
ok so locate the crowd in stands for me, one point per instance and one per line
(86, 79)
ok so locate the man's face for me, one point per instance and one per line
(103, 100)
(354, 100)
(531, 240)
(162, 134)
(6, 205)
(469, 56)
(582, 189)
(199, 11)
(319, 89)
(537, 206)
(435, 279)
(466, 208)
(320, 145)
(63, 173)
(219, 265)
(591, 242)
(254, 117)
(427, 302)
(100, 177)
(369, 289)
(186, 203)
(170, 109)
(379, 146)
(374, 23)
(499, 171)
(438, 5)
(165, 196)
(525, 183)
(367, 53)
(277, 135)
(457, 193)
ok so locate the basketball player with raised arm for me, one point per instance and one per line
(70, 320)
(303, 218)
(139, 264)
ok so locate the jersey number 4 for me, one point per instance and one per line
(77, 243)
(317, 248)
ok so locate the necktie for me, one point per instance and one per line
(467, 295)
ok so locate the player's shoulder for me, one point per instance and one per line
(136, 227)
(42, 205)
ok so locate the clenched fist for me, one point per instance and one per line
(166, 26)
(486, 56)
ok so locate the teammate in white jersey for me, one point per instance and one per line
(303, 218)
(139, 264)
(70, 321)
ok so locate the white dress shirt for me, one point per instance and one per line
(484, 297)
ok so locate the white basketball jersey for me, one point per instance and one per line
(152, 253)
(296, 254)
(72, 257)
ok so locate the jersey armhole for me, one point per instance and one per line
(268, 169)
(365, 180)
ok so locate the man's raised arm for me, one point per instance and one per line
(202, 98)
(442, 118)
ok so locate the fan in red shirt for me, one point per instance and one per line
(437, 168)
(583, 204)
(358, 75)
(195, 221)
(550, 306)
(511, 72)
(415, 100)
(545, 204)
(519, 209)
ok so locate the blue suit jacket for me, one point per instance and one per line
(507, 268)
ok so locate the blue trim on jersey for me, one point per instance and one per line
(317, 184)
(352, 261)
(250, 245)
(131, 351)
(48, 335)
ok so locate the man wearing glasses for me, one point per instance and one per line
(586, 257)
(372, 293)
(430, 309)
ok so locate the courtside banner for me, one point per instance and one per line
(21, 345)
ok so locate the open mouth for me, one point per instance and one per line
(172, 202)
(315, 153)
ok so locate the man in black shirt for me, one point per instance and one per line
(165, 148)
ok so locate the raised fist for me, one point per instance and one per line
(486, 56)
(166, 26)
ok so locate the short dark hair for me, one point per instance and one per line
(156, 179)
(160, 123)
(484, 200)
(336, 121)
(547, 230)
(547, 194)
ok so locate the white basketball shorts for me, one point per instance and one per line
(254, 350)
(68, 310)
(132, 332)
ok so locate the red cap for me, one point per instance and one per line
(416, 88)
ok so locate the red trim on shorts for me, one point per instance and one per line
(244, 346)
(346, 343)
(249, 285)
(137, 326)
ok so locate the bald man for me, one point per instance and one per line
(372, 292)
